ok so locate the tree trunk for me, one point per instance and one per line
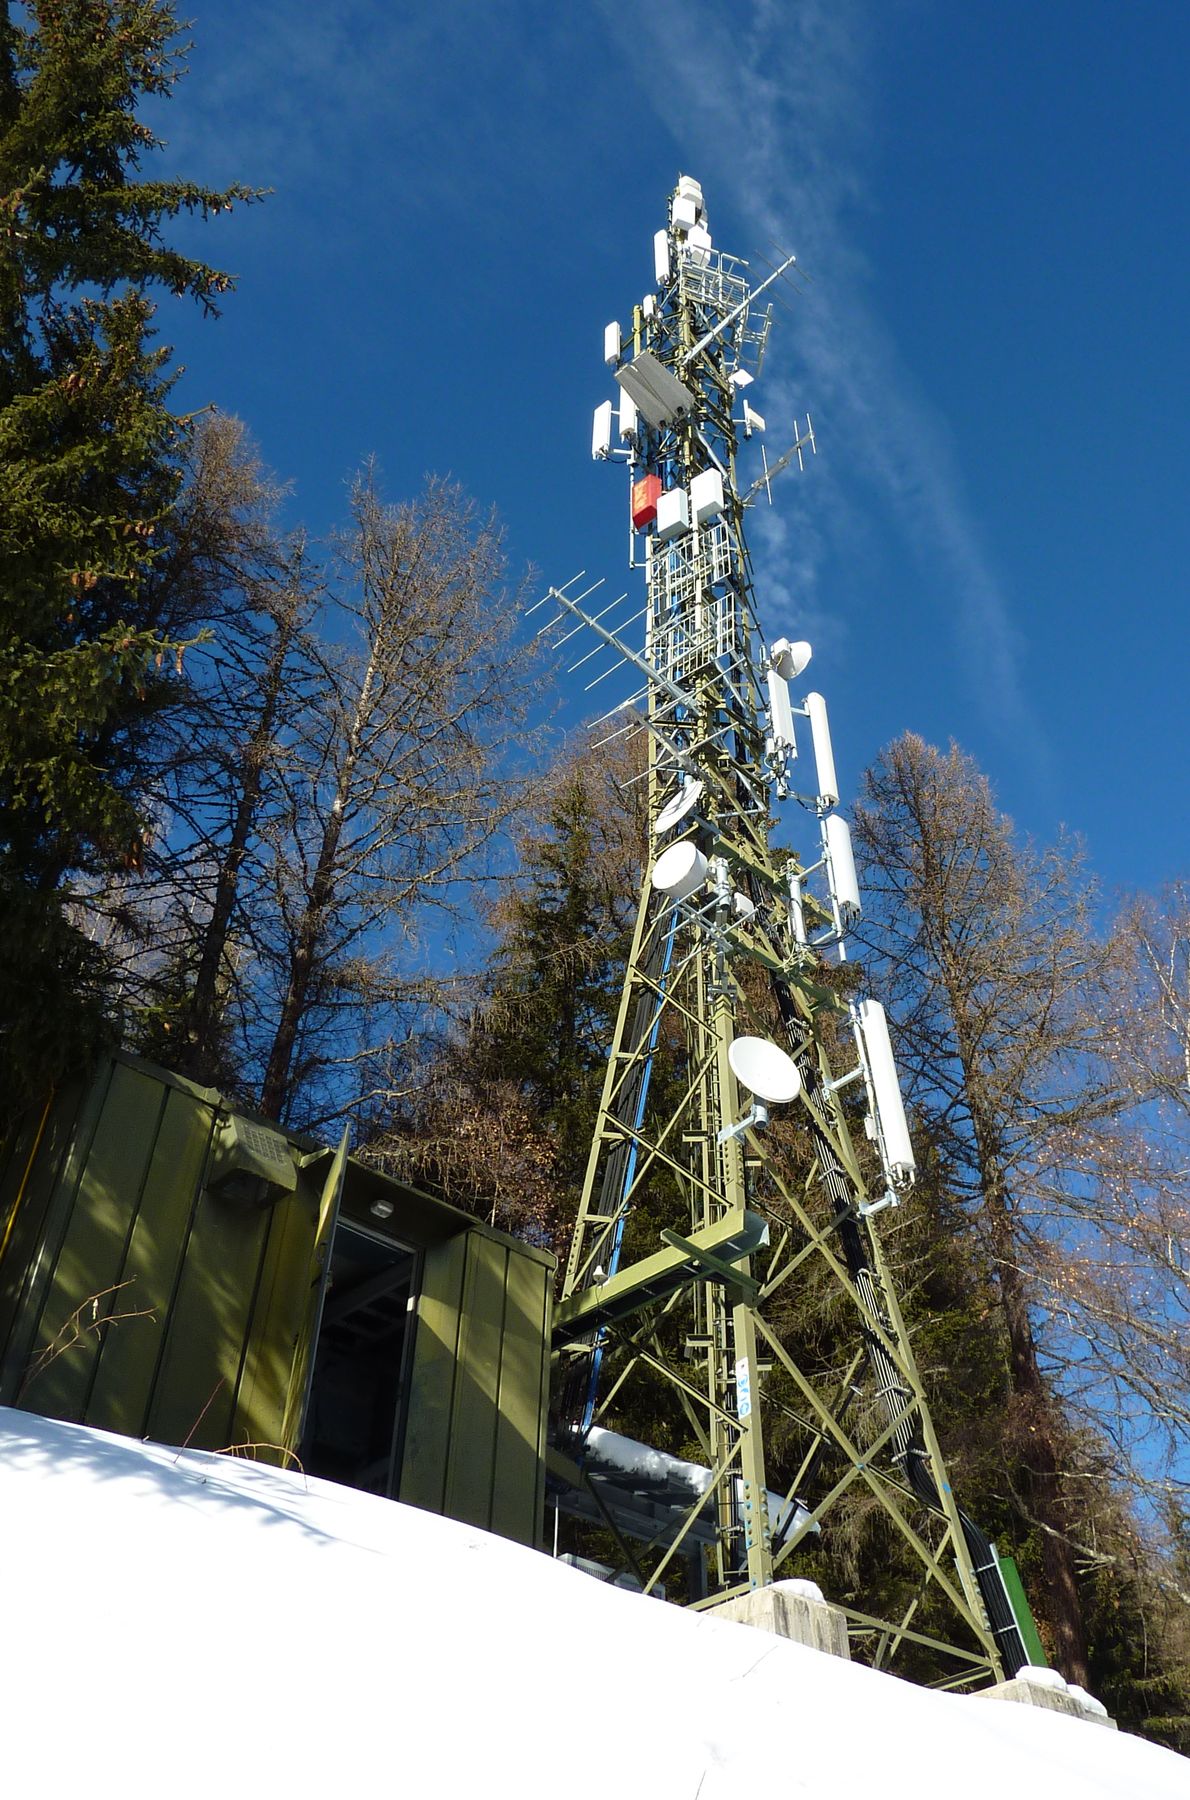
(1035, 1422)
(201, 1012)
(274, 1091)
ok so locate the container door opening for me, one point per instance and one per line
(356, 1415)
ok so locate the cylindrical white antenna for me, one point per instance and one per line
(661, 257)
(780, 713)
(824, 756)
(628, 425)
(611, 343)
(841, 864)
(680, 870)
(797, 911)
(886, 1094)
(601, 431)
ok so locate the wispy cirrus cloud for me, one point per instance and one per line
(300, 98)
(769, 104)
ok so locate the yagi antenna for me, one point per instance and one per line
(796, 449)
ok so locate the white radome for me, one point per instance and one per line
(765, 1069)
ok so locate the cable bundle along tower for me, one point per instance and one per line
(722, 1166)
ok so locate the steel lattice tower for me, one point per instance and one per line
(696, 1213)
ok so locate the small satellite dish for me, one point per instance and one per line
(679, 805)
(679, 870)
(789, 659)
(765, 1069)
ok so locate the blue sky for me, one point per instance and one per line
(989, 203)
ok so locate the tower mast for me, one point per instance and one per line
(722, 1167)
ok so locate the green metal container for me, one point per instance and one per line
(173, 1269)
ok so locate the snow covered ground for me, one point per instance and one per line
(177, 1623)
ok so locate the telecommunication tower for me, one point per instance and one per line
(722, 1169)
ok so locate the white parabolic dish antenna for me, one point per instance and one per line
(678, 805)
(765, 1069)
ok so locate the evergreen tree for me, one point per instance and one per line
(564, 935)
(187, 923)
(90, 455)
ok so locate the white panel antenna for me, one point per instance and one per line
(824, 757)
(753, 421)
(601, 431)
(611, 343)
(780, 713)
(660, 397)
(661, 257)
(629, 428)
(900, 1162)
(841, 867)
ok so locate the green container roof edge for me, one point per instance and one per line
(361, 1176)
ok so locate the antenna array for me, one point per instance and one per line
(722, 1166)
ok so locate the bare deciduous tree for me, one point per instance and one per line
(1000, 984)
(398, 781)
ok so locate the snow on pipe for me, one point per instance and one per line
(781, 713)
(841, 863)
(654, 1472)
(824, 756)
(886, 1093)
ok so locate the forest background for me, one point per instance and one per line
(285, 811)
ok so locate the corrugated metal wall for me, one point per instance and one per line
(475, 1438)
(132, 1299)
